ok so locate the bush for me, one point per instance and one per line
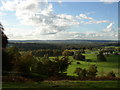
(67, 53)
(6, 62)
(57, 52)
(82, 73)
(47, 68)
(27, 63)
(53, 67)
(10, 58)
(89, 73)
(92, 70)
(79, 56)
(63, 63)
(101, 57)
(111, 74)
(78, 63)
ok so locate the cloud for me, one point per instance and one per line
(83, 16)
(90, 20)
(60, 2)
(40, 14)
(96, 22)
(109, 1)
(38, 35)
(109, 28)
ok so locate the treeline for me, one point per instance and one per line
(61, 46)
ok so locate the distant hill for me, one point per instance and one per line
(63, 41)
(60, 44)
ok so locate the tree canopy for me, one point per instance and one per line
(4, 37)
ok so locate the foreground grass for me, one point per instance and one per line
(63, 84)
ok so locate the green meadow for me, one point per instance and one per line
(103, 67)
(112, 63)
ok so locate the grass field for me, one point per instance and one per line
(112, 64)
(103, 67)
(64, 84)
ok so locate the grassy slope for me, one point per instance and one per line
(64, 84)
(103, 67)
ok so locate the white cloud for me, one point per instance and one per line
(96, 22)
(109, 1)
(90, 20)
(40, 14)
(60, 1)
(83, 16)
(109, 28)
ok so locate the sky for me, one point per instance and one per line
(59, 20)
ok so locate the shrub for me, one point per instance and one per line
(63, 63)
(47, 67)
(101, 57)
(27, 63)
(82, 73)
(92, 70)
(10, 58)
(6, 62)
(78, 63)
(67, 53)
(89, 73)
(111, 74)
(79, 56)
(52, 67)
(57, 52)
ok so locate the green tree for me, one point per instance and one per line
(101, 57)
(67, 53)
(10, 58)
(92, 71)
(4, 37)
(63, 63)
(79, 56)
(111, 74)
(27, 63)
(82, 73)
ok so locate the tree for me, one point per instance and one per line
(111, 74)
(92, 71)
(4, 37)
(27, 63)
(57, 52)
(5, 60)
(79, 56)
(67, 53)
(10, 58)
(63, 63)
(82, 73)
(101, 57)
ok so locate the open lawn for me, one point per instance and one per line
(64, 84)
(103, 67)
(112, 64)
